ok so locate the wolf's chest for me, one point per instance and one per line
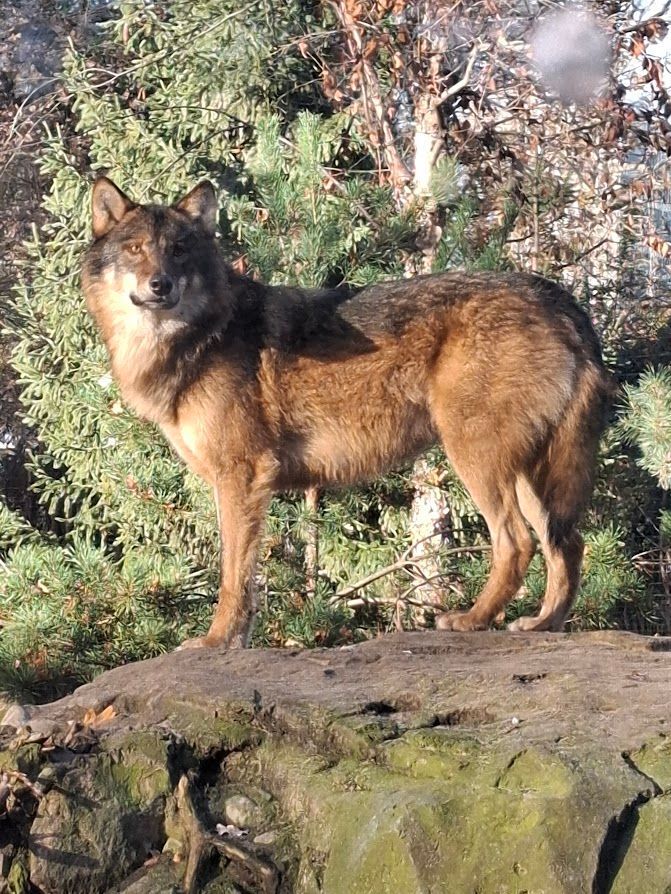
(189, 440)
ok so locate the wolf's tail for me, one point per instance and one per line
(563, 474)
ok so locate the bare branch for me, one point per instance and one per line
(405, 565)
(462, 82)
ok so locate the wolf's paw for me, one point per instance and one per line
(212, 642)
(196, 642)
(529, 623)
(462, 621)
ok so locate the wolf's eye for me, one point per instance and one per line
(134, 248)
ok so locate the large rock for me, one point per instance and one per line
(424, 762)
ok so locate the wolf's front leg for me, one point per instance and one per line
(242, 496)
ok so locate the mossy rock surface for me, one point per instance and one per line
(481, 820)
(105, 816)
(423, 763)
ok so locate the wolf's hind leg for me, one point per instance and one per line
(553, 492)
(563, 558)
(512, 546)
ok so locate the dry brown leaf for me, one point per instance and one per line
(659, 245)
(91, 718)
(654, 29)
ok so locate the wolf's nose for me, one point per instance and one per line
(161, 285)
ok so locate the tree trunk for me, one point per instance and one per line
(312, 543)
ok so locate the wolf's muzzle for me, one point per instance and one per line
(163, 294)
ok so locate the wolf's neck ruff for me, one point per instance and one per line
(265, 389)
(155, 354)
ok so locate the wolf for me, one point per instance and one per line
(264, 389)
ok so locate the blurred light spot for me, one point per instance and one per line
(572, 54)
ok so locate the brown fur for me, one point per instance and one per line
(263, 389)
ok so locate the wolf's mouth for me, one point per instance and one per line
(162, 302)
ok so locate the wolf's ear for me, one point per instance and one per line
(201, 206)
(109, 206)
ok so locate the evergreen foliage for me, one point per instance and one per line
(647, 422)
(70, 610)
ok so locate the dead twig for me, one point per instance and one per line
(201, 843)
(405, 564)
(264, 869)
(12, 781)
(462, 82)
(197, 842)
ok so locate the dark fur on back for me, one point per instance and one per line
(262, 388)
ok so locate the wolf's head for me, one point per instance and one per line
(160, 259)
